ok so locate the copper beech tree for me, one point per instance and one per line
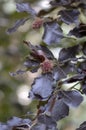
(55, 101)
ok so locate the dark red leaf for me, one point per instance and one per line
(47, 52)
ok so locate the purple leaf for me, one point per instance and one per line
(69, 52)
(32, 65)
(83, 87)
(60, 110)
(17, 72)
(47, 52)
(25, 7)
(82, 65)
(58, 73)
(61, 2)
(68, 67)
(69, 16)
(17, 24)
(36, 52)
(18, 123)
(56, 109)
(67, 3)
(82, 5)
(42, 87)
(79, 31)
(52, 33)
(43, 118)
(78, 77)
(41, 126)
(84, 48)
(82, 126)
(71, 98)
(52, 127)
(15, 121)
(4, 126)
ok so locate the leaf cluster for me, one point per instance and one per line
(55, 101)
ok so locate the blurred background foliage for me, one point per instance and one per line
(14, 90)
